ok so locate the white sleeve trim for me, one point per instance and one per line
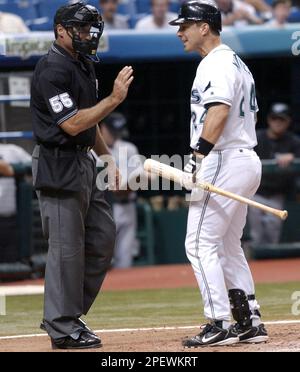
(217, 99)
(72, 113)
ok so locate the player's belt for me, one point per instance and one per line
(240, 149)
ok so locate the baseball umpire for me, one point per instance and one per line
(77, 221)
(223, 118)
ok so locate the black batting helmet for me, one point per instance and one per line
(194, 11)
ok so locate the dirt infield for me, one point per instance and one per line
(179, 276)
(283, 338)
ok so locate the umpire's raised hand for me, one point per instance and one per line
(122, 83)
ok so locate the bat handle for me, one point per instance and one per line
(283, 214)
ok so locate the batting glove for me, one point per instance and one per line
(193, 165)
(190, 171)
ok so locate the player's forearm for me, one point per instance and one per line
(215, 122)
(88, 118)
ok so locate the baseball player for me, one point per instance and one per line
(223, 117)
(77, 221)
(124, 206)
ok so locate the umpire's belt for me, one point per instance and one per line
(58, 168)
(75, 148)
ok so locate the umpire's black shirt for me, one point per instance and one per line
(60, 87)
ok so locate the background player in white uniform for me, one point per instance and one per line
(124, 200)
(223, 117)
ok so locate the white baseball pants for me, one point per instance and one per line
(214, 230)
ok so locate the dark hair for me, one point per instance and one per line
(277, 2)
(152, 1)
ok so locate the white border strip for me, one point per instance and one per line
(144, 329)
(21, 290)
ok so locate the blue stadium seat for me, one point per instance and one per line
(135, 18)
(294, 16)
(41, 24)
(127, 7)
(143, 6)
(95, 3)
(174, 6)
(48, 8)
(26, 9)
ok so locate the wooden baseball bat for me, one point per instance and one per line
(176, 175)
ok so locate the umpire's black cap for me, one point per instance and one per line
(194, 11)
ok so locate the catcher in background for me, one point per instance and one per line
(223, 118)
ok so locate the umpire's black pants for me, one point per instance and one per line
(81, 236)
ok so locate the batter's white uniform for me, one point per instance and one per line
(215, 224)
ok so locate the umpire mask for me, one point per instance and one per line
(80, 19)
